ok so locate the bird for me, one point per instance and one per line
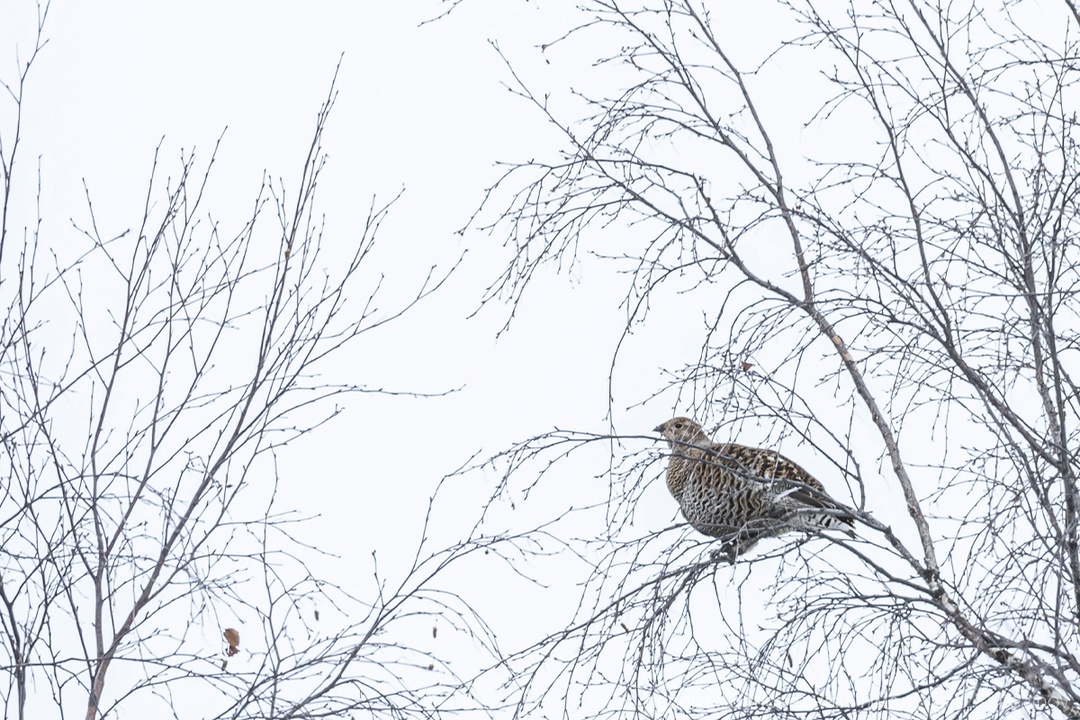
(743, 494)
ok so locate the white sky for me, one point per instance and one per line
(419, 108)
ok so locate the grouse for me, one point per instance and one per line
(742, 494)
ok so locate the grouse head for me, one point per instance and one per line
(682, 431)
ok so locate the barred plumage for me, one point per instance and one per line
(742, 494)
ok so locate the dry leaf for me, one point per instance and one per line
(232, 636)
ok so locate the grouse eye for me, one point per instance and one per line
(678, 426)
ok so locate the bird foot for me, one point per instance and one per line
(727, 552)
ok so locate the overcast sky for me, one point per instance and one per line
(421, 108)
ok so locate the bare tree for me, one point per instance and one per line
(869, 210)
(149, 380)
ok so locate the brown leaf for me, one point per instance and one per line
(232, 636)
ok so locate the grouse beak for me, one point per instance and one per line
(659, 428)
